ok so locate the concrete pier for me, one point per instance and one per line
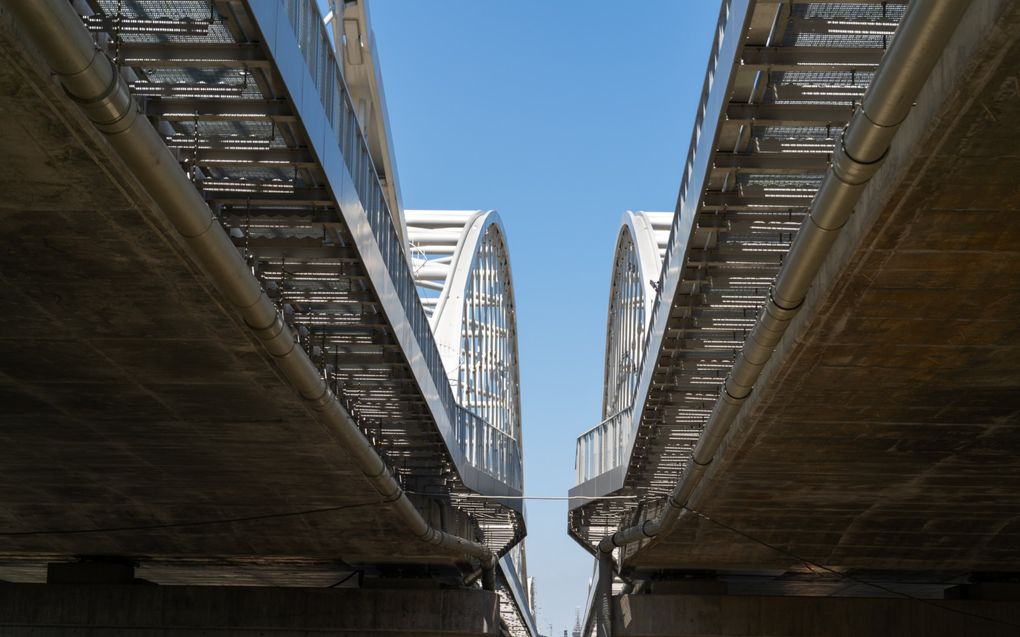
(58, 610)
(760, 616)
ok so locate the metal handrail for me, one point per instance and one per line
(308, 26)
(605, 420)
(689, 168)
(673, 244)
(492, 451)
(600, 449)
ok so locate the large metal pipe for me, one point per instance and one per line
(920, 38)
(90, 79)
(604, 595)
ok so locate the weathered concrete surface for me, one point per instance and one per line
(58, 611)
(751, 616)
(128, 396)
(885, 433)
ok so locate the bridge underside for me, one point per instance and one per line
(131, 398)
(885, 434)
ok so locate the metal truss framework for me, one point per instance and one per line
(640, 246)
(230, 112)
(462, 269)
(782, 82)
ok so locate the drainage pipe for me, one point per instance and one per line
(920, 38)
(90, 79)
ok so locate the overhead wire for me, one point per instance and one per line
(193, 523)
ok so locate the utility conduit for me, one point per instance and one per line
(920, 38)
(90, 79)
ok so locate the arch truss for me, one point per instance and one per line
(462, 269)
(640, 246)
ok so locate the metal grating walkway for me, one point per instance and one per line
(782, 82)
(203, 72)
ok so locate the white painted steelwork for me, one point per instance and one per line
(636, 266)
(640, 246)
(462, 269)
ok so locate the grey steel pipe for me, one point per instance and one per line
(920, 38)
(604, 595)
(90, 79)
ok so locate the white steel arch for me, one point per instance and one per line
(462, 268)
(640, 246)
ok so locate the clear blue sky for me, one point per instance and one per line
(560, 115)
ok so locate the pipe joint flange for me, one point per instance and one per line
(852, 172)
(864, 144)
(743, 386)
(122, 123)
(867, 108)
(395, 495)
(383, 469)
(210, 222)
(781, 312)
(757, 350)
(112, 109)
(438, 539)
(261, 297)
(86, 76)
(644, 529)
(320, 397)
(735, 401)
(268, 332)
(703, 466)
(673, 503)
(85, 71)
(429, 536)
(323, 401)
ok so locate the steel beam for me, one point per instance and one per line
(844, 27)
(845, 94)
(810, 58)
(297, 249)
(282, 157)
(285, 216)
(715, 199)
(318, 197)
(731, 218)
(772, 162)
(209, 55)
(790, 114)
(175, 109)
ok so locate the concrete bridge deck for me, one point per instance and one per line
(131, 397)
(884, 433)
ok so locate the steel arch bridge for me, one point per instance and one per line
(640, 246)
(462, 269)
(287, 187)
(782, 82)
